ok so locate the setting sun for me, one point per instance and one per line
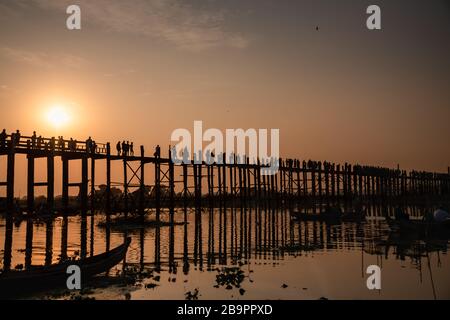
(58, 116)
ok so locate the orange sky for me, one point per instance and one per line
(140, 69)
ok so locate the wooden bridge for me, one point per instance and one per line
(295, 181)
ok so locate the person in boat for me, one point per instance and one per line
(400, 214)
(441, 215)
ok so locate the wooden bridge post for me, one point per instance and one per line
(219, 183)
(257, 181)
(108, 179)
(244, 181)
(272, 186)
(200, 185)
(10, 180)
(333, 182)
(84, 184)
(142, 182)
(291, 180)
(360, 181)
(30, 184)
(157, 188)
(171, 187)
(313, 180)
(319, 180)
(65, 183)
(51, 181)
(185, 190)
(125, 187)
(345, 172)
(305, 179)
(224, 176)
(92, 182)
(281, 173)
(231, 180)
(241, 195)
(352, 181)
(209, 168)
(338, 180)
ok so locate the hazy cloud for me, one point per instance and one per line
(41, 59)
(174, 21)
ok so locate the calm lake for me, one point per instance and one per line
(239, 253)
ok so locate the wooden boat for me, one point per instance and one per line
(418, 226)
(42, 278)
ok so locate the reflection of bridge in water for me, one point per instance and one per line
(216, 236)
(296, 180)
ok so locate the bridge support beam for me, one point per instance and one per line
(10, 182)
(65, 183)
(30, 184)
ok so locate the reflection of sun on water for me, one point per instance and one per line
(58, 116)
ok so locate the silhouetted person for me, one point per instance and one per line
(52, 143)
(72, 145)
(124, 147)
(118, 148)
(157, 151)
(33, 140)
(127, 148)
(89, 145)
(132, 149)
(186, 156)
(3, 136)
(39, 142)
(15, 138)
(61, 143)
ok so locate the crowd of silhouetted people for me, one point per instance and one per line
(125, 148)
(36, 142)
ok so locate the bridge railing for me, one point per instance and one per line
(47, 144)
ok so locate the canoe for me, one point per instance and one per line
(41, 278)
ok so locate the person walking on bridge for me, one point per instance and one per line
(118, 148)
(40, 141)
(15, 138)
(33, 140)
(3, 136)
(124, 148)
(61, 143)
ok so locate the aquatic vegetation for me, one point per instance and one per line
(230, 277)
(192, 295)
